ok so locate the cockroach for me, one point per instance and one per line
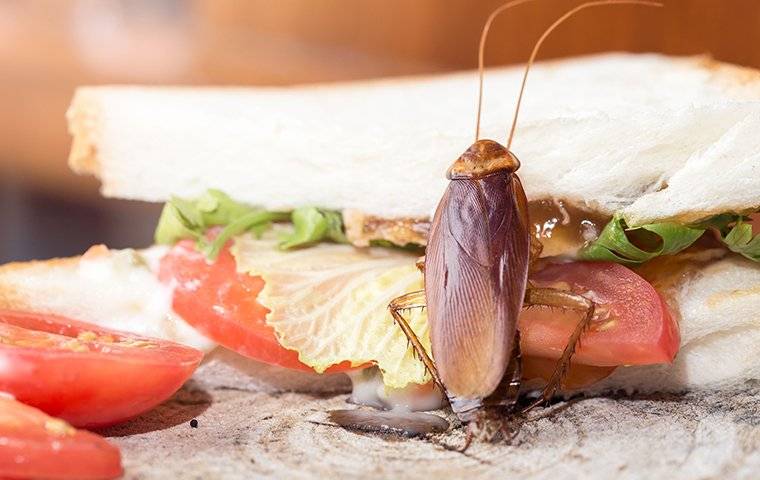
(476, 267)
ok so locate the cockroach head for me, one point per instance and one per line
(483, 158)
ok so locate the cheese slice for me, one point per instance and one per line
(330, 304)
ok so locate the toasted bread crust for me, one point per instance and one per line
(12, 295)
(83, 118)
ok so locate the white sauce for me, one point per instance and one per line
(368, 389)
(131, 298)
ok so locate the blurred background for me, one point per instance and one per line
(48, 47)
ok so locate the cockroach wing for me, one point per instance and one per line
(476, 269)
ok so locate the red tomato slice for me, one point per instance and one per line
(221, 304)
(34, 445)
(87, 375)
(635, 327)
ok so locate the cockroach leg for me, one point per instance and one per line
(469, 435)
(407, 302)
(514, 375)
(551, 297)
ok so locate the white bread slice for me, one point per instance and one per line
(717, 300)
(658, 136)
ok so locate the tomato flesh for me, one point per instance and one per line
(84, 374)
(34, 445)
(221, 303)
(633, 325)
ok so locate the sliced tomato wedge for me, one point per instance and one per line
(633, 325)
(221, 304)
(35, 445)
(84, 374)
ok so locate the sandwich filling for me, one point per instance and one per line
(316, 284)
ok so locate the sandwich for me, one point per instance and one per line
(293, 217)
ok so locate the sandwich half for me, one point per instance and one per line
(293, 216)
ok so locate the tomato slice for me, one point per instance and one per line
(87, 375)
(34, 445)
(221, 304)
(633, 327)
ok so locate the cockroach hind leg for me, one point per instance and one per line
(411, 301)
(467, 439)
(562, 299)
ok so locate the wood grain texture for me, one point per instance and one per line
(244, 433)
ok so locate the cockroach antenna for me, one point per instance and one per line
(481, 53)
(536, 48)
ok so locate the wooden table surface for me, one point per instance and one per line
(249, 429)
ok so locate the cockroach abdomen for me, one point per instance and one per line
(475, 276)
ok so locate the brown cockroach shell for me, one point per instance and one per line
(476, 269)
(483, 158)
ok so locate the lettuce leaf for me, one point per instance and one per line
(331, 306)
(312, 225)
(739, 239)
(182, 218)
(631, 246)
(409, 247)
(256, 221)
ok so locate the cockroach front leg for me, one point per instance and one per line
(550, 297)
(407, 302)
